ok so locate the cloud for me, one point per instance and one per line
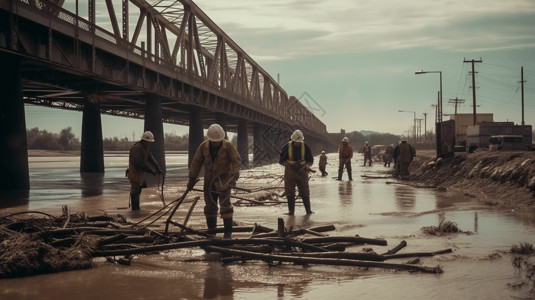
(344, 26)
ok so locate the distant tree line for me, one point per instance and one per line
(66, 141)
(44, 140)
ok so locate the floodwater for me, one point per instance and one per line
(480, 266)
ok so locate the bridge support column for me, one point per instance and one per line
(259, 154)
(243, 143)
(196, 133)
(153, 123)
(92, 152)
(221, 119)
(14, 173)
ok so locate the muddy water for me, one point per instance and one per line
(478, 268)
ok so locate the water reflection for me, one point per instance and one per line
(345, 190)
(217, 282)
(405, 197)
(92, 183)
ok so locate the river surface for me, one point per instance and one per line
(480, 266)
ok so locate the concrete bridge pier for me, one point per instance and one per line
(243, 143)
(14, 173)
(153, 123)
(221, 119)
(258, 145)
(196, 132)
(92, 150)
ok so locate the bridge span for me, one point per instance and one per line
(160, 61)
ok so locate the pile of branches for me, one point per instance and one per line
(523, 260)
(444, 227)
(36, 243)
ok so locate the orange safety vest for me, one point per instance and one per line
(290, 154)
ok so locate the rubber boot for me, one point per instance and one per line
(306, 203)
(291, 205)
(228, 228)
(340, 175)
(211, 223)
(134, 200)
(349, 175)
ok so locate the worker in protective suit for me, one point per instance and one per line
(345, 153)
(221, 162)
(140, 160)
(323, 163)
(367, 150)
(387, 156)
(403, 155)
(296, 157)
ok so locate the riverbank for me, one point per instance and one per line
(500, 179)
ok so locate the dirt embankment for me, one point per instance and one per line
(505, 179)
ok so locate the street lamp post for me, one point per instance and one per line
(438, 127)
(414, 127)
(439, 119)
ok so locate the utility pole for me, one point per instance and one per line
(419, 132)
(474, 84)
(456, 101)
(425, 126)
(522, 84)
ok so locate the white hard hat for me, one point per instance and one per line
(298, 136)
(148, 136)
(322, 152)
(215, 133)
(366, 142)
(345, 139)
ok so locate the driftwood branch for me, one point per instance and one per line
(395, 250)
(417, 254)
(210, 242)
(324, 261)
(355, 240)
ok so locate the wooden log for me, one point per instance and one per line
(178, 203)
(298, 231)
(186, 219)
(91, 230)
(395, 250)
(323, 261)
(209, 242)
(350, 239)
(335, 246)
(281, 230)
(111, 239)
(312, 232)
(331, 254)
(417, 254)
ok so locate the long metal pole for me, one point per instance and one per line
(522, 83)
(414, 128)
(440, 96)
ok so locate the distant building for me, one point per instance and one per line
(478, 136)
(463, 121)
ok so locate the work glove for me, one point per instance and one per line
(191, 183)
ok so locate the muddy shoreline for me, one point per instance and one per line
(495, 179)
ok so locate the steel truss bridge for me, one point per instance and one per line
(162, 61)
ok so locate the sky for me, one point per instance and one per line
(353, 62)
